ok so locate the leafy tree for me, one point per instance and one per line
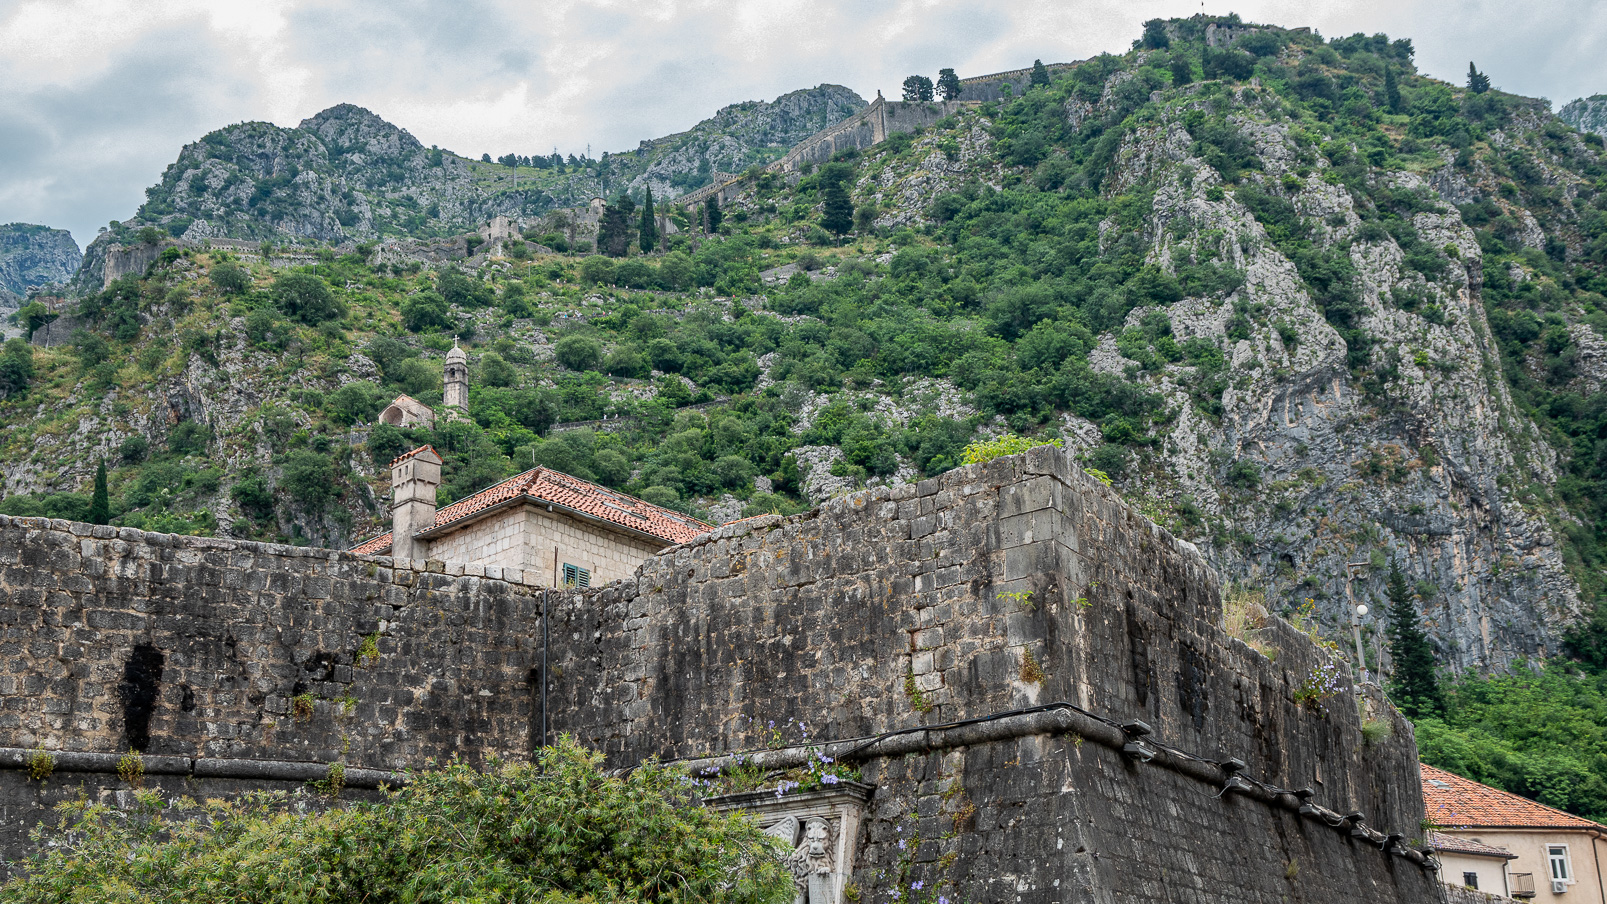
(647, 231)
(425, 312)
(837, 209)
(494, 371)
(1182, 69)
(948, 84)
(306, 298)
(918, 88)
(32, 316)
(189, 438)
(560, 830)
(358, 400)
(579, 353)
(1040, 75)
(100, 504)
(230, 278)
(309, 478)
(1415, 685)
(16, 367)
(463, 291)
(1478, 82)
(597, 270)
(1155, 36)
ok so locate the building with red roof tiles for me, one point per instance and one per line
(1549, 854)
(564, 530)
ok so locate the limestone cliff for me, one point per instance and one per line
(1587, 114)
(33, 255)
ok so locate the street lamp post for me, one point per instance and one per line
(1356, 612)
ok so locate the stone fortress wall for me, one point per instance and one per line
(870, 126)
(1019, 595)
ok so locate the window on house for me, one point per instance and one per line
(1558, 855)
(575, 576)
(1471, 880)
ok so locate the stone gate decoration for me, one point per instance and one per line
(820, 827)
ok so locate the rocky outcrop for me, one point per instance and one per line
(32, 256)
(1587, 114)
(347, 175)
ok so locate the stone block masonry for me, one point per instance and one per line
(992, 590)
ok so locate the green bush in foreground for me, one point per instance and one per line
(554, 832)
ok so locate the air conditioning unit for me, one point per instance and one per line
(1558, 886)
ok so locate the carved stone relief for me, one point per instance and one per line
(821, 827)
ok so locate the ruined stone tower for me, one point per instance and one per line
(456, 394)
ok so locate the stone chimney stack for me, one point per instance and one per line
(456, 394)
(414, 479)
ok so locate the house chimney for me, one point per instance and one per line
(414, 479)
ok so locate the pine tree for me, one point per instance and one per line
(918, 88)
(948, 84)
(1478, 82)
(712, 215)
(1040, 75)
(1415, 686)
(648, 231)
(1392, 91)
(100, 505)
(614, 232)
(837, 209)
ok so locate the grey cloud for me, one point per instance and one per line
(511, 75)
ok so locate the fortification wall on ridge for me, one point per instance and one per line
(886, 610)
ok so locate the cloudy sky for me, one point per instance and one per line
(100, 94)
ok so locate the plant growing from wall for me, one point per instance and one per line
(131, 768)
(39, 764)
(912, 690)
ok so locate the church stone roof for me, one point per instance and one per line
(546, 486)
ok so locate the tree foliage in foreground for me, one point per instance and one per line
(554, 832)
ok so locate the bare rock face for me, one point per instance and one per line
(1587, 114)
(33, 256)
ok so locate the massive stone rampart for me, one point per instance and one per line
(987, 595)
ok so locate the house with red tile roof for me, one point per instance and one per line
(1543, 852)
(564, 530)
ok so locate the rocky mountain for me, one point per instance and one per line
(33, 255)
(348, 175)
(1323, 316)
(1587, 114)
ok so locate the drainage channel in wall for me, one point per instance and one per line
(1131, 739)
(205, 767)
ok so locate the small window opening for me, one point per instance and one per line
(1558, 855)
(1471, 880)
(575, 576)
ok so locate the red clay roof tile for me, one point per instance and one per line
(547, 485)
(1454, 802)
(1439, 841)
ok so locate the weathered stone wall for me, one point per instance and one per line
(994, 588)
(854, 618)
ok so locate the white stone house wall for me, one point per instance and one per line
(527, 536)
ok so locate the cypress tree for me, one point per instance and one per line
(837, 209)
(1040, 75)
(1415, 686)
(648, 231)
(712, 215)
(100, 505)
(1478, 82)
(1392, 91)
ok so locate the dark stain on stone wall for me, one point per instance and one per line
(142, 675)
